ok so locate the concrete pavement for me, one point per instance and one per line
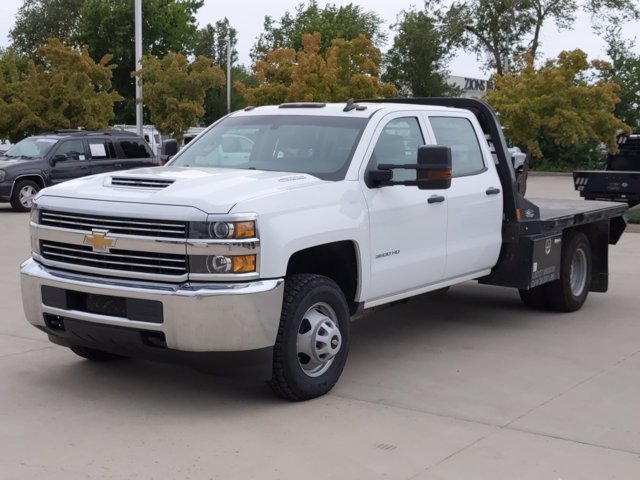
(468, 385)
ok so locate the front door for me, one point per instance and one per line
(70, 161)
(408, 227)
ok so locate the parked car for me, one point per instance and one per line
(44, 160)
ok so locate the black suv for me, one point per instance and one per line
(44, 160)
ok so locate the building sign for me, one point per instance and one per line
(470, 87)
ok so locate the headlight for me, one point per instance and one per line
(2, 175)
(222, 263)
(222, 230)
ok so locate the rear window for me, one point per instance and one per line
(134, 149)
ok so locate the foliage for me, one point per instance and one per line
(106, 27)
(417, 62)
(215, 103)
(332, 22)
(553, 108)
(39, 20)
(504, 30)
(624, 70)
(211, 41)
(69, 90)
(175, 90)
(349, 69)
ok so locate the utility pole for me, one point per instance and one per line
(138, 39)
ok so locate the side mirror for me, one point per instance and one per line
(58, 158)
(169, 147)
(434, 167)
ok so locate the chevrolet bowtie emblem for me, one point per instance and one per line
(99, 241)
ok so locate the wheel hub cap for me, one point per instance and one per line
(26, 196)
(319, 339)
(578, 272)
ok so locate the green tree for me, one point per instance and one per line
(175, 90)
(107, 27)
(554, 110)
(417, 62)
(67, 90)
(332, 22)
(502, 31)
(39, 20)
(624, 70)
(211, 42)
(350, 68)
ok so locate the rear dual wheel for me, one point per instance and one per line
(569, 292)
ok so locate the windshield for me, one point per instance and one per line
(33, 147)
(319, 146)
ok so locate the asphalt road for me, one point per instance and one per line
(469, 385)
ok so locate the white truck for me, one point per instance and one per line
(260, 240)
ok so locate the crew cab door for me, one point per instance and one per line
(474, 228)
(408, 226)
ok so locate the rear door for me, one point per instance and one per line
(408, 227)
(474, 228)
(103, 156)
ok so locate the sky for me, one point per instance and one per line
(247, 17)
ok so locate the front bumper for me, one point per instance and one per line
(6, 187)
(194, 317)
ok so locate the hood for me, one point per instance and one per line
(11, 161)
(211, 190)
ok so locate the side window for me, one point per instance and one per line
(458, 133)
(101, 149)
(134, 149)
(72, 150)
(398, 144)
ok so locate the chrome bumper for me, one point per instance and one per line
(197, 317)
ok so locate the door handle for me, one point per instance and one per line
(118, 165)
(435, 199)
(492, 191)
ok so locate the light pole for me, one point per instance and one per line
(138, 40)
(228, 39)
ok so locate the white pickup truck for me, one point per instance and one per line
(259, 241)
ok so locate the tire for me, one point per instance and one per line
(22, 196)
(94, 355)
(569, 292)
(313, 338)
(535, 298)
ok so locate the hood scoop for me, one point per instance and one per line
(139, 182)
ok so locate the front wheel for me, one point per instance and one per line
(569, 292)
(313, 338)
(22, 196)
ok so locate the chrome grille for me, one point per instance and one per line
(115, 225)
(121, 260)
(140, 182)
